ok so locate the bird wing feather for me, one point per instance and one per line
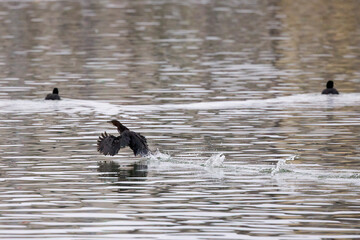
(108, 144)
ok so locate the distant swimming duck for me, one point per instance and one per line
(330, 88)
(54, 95)
(110, 145)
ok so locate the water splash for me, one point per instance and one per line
(217, 168)
(159, 160)
(215, 161)
(281, 165)
(159, 156)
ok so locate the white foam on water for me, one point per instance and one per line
(281, 165)
(284, 171)
(158, 156)
(212, 165)
(216, 167)
(70, 106)
(215, 161)
(312, 100)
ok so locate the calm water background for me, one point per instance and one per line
(227, 91)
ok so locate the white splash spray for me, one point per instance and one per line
(215, 161)
(158, 156)
(281, 165)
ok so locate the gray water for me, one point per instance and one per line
(227, 93)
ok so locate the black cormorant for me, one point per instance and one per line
(54, 95)
(110, 145)
(330, 88)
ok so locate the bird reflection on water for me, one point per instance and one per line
(115, 172)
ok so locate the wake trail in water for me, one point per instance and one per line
(216, 160)
(283, 169)
(70, 106)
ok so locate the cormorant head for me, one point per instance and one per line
(330, 84)
(118, 124)
(55, 91)
(115, 123)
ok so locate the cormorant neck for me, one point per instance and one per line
(121, 128)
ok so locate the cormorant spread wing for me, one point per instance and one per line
(110, 145)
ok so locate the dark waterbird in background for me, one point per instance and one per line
(330, 88)
(110, 145)
(54, 95)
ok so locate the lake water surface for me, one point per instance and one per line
(227, 93)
